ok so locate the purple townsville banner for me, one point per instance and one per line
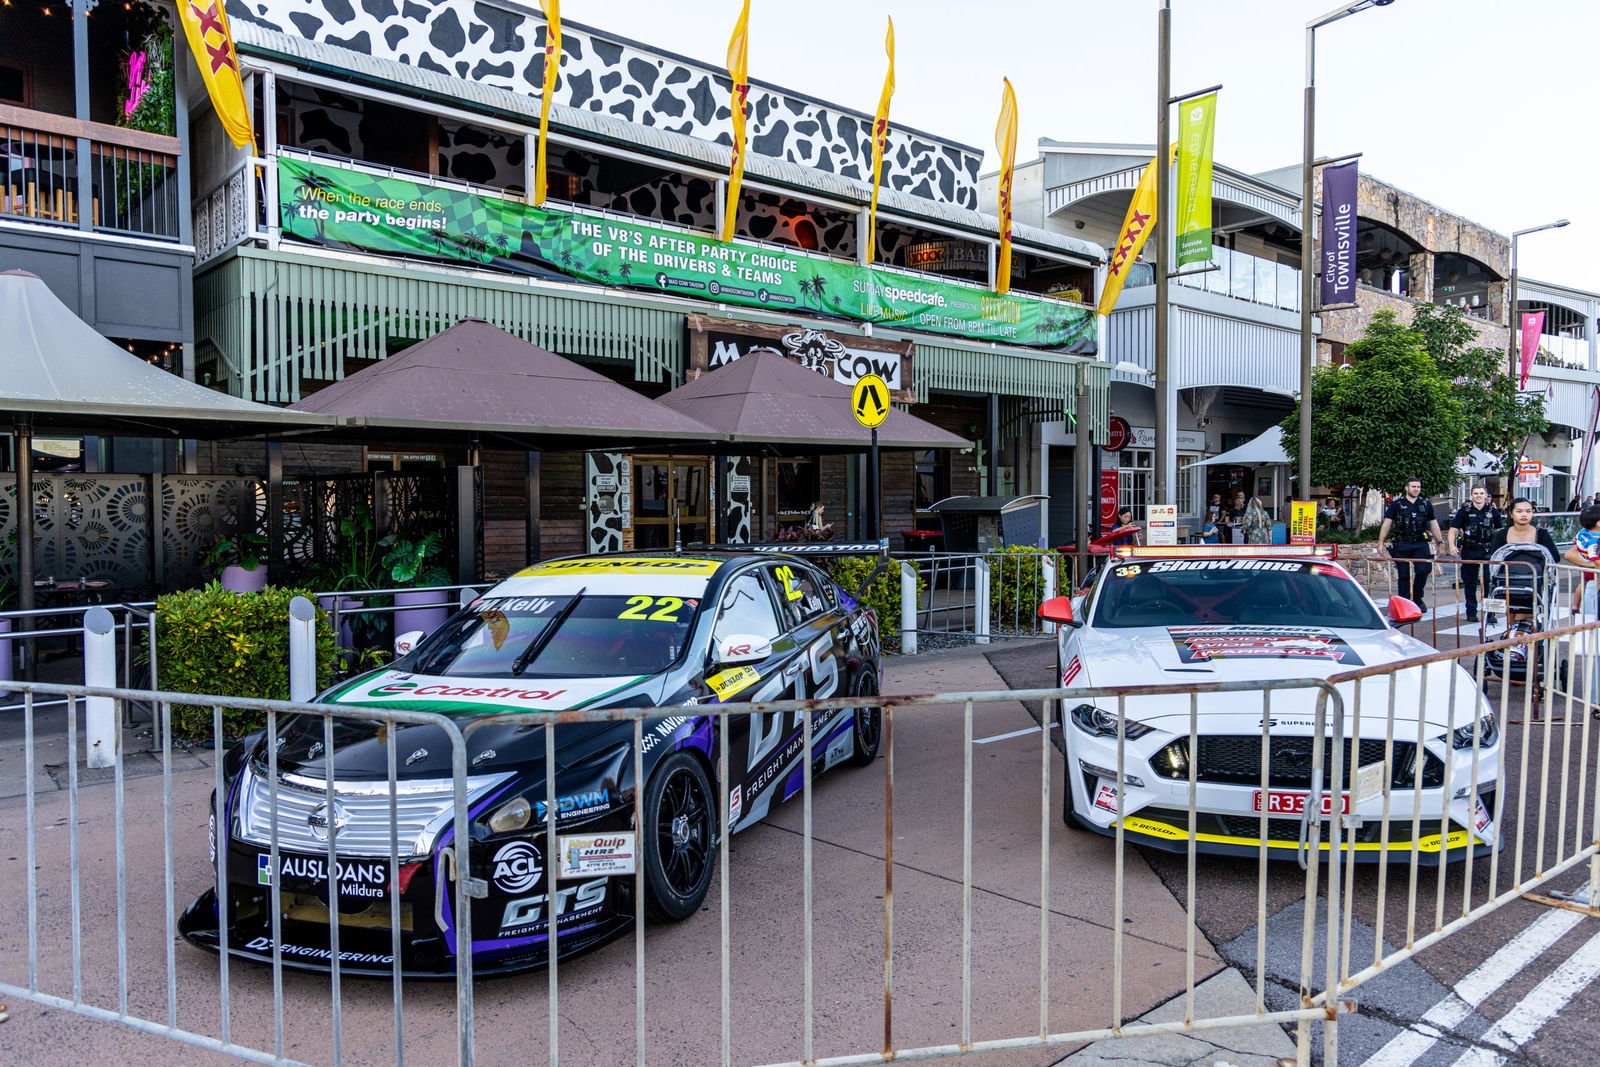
(1338, 234)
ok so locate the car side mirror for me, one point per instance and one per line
(1058, 609)
(743, 648)
(1402, 610)
(407, 641)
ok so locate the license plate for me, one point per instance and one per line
(1282, 803)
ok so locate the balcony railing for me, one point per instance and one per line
(132, 175)
(1239, 275)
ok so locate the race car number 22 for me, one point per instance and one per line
(666, 608)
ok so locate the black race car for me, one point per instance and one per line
(626, 630)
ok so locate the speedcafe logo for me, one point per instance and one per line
(517, 866)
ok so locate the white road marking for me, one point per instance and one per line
(1539, 1006)
(1412, 1044)
(1007, 737)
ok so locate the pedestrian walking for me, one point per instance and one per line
(1257, 524)
(1410, 518)
(1471, 530)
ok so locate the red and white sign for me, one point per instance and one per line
(1106, 797)
(1120, 433)
(1530, 466)
(1108, 500)
(1284, 803)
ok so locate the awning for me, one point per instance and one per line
(477, 378)
(766, 398)
(1265, 450)
(60, 374)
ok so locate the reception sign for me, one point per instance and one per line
(341, 207)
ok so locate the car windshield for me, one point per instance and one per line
(592, 636)
(1232, 591)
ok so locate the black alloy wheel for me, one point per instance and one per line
(868, 727)
(680, 838)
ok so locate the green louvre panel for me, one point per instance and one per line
(1097, 384)
(273, 318)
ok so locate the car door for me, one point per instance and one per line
(751, 652)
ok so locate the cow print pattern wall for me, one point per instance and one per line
(502, 47)
(608, 501)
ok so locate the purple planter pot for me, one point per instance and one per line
(347, 605)
(425, 619)
(242, 581)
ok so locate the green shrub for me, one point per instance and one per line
(211, 640)
(1016, 585)
(1328, 536)
(883, 596)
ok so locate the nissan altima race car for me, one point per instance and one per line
(667, 631)
(1195, 614)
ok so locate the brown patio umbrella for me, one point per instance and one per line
(477, 378)
(766, 398)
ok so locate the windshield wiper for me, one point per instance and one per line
(543, 637)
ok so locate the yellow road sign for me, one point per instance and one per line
(870, 400)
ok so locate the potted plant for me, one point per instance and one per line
(237, 563)
(415, 563)
(356, 568)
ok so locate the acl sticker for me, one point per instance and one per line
(517, 866)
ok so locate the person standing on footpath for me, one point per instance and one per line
(1410, 517)
(1471, 530)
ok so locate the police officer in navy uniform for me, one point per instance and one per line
(1410, 517)
(1471, 530)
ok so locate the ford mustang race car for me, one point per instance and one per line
(1167, 616)
(667, 631)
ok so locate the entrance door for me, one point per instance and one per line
(671, 501)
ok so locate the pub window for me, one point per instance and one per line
(796, 487)
(933, 477)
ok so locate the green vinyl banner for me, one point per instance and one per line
(340, 207)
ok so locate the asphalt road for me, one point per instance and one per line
(1517, 986)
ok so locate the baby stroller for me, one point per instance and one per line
(1518, 587)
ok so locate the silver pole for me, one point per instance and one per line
(1308, 273)
(1166, 396)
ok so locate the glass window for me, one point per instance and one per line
(933, 477)
(745, 611)
(802, 592)
(559, 637)
(1224, 593)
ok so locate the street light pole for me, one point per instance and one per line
(1308, 272)
(1166, 431)
(1513, 327)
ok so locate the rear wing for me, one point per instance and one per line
(823, 549)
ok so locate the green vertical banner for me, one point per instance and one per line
(1197, 123)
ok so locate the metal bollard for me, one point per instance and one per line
(1047, 588)
(908, 608)
(100, 669)
(302, 650)
(980, 599)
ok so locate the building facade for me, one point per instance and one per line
(94, 188)
(422, 121)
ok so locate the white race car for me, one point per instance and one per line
(1206, 613)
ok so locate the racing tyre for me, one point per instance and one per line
(868, 727)
(1069, 808)
(680, 838)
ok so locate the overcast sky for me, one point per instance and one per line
(1484, 107)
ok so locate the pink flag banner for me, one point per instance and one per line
(1532, 327)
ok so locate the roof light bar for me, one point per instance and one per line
(1225, 551)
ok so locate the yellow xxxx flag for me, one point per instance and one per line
(739, 71)
(880, 137)
(1005, 141)
(552, 65)
(1135, 230)
(211, 41)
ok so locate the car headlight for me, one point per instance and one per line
(1488, 733)
(512, 815)
(1102, 723)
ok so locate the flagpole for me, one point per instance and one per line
(1166, 442)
